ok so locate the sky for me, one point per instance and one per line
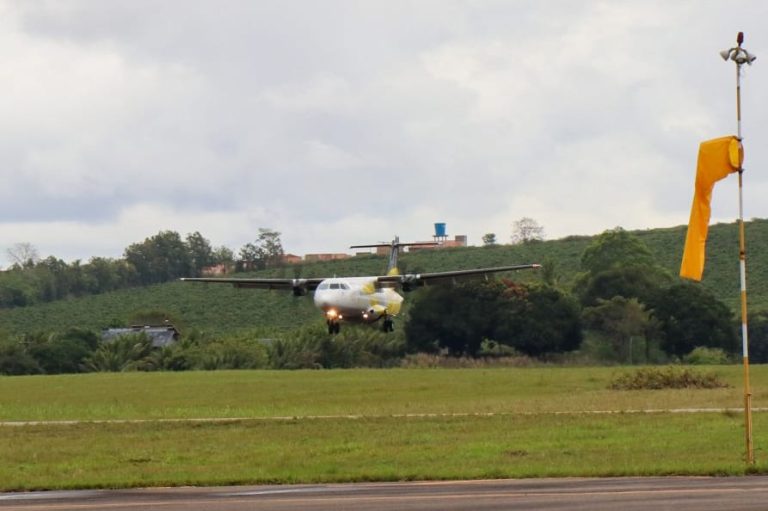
(347, 122)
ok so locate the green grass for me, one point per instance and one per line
(522, 436)
(371, 392)
(381, 449)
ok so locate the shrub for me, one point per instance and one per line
(126, 353)
(230, 353)
(671, 377)
(707, 356)
(62, 352)
(491, 348)
(15, 360)
(312, 348)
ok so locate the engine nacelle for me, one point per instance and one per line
(299, 287)
(409, 282)
(375, 311)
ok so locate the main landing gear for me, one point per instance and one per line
(388, 325)
(333, 327)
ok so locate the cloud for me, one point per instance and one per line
(344, 122)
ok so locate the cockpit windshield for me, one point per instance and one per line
(333, 285)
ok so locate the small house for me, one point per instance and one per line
(161, 336)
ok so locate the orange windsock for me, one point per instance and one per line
(717, 158)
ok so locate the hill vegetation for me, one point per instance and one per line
(610, 298)
(222, 309)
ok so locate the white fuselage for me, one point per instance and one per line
(356, 299)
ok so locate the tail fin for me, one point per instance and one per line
(394, 250)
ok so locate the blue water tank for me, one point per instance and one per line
(440, 230)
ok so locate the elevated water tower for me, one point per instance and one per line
(440, 235)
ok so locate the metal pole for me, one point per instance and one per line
(737, 56)
(750, 454)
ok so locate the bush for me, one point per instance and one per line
(233, 353)
(312, 348)
(130, 352)
(671, 377)
(490, 348)
(707, 356)
(689, 316)
(14, 359)
(65, 352)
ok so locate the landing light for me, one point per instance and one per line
(332, 313)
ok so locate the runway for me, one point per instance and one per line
(579, 494)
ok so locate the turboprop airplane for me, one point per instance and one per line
(363, 299)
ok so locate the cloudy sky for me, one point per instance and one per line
(341, 122)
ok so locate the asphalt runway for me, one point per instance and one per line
(627, 494)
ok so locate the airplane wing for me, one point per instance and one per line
(412, 280)
(299, 286)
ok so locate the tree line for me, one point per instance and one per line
(622, 307)
(160, 258)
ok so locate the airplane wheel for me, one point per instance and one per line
(388, 325)
(333, 327)
(337, 328)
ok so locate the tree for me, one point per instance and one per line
(456, 319)
(537, 320)
(271, 246)
(249, 255)
(55, 279)
(265, 252)
(223, 255)
(758, 337)
(618, 263)
(549, 273)
(62, 353)
(11, 296)
(615, 248)
(620, 321)
(526, 230)
(639, 282)
(489, 239)
(23, 255)
(532, 319)
(15, 360)
(689, 316)
(160, 258)
(200, 253)
(101, 275)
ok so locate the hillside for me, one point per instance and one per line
(221, 308)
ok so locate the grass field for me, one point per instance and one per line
(523, 434)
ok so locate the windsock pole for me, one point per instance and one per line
(740, 56)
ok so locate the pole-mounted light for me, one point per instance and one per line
(738, 54)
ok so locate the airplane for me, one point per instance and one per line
(363, 299)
